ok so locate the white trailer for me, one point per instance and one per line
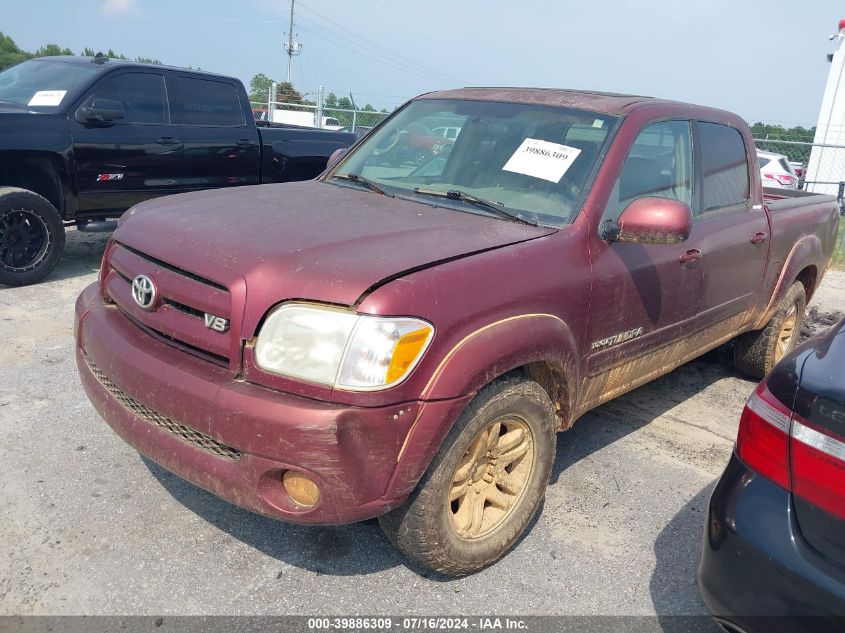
(826, 167)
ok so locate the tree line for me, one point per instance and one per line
(11, 53)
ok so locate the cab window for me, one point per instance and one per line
(142, 94)
(724, 168)
(659, 164)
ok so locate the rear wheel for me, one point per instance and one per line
(484, 485)
(32, 237)
(756, 353)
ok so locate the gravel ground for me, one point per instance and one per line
(87, 526)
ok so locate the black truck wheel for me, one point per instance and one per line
(32, 237)
(484, 485)
(757, 352)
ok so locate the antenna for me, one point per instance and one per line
(292, 47)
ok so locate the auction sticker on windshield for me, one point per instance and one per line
(542, 159)
(47, 98)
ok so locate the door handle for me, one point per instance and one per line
(167, 140)
(759, 237)
(246, 142)
(690, 256)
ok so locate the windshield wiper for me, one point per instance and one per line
(496, 207)
(369, 184)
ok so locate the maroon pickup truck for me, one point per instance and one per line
(404, 340)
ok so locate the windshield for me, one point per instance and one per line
(534, 161)
(42, 84)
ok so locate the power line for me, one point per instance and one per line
(355, 48)
(390, 52)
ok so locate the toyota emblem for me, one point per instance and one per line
(144, 291)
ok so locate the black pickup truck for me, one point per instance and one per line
(82, 139)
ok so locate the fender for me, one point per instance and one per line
(807, 251)
(491, 350)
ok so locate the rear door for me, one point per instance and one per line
(132, 159)
(220, 137)
(730, 230)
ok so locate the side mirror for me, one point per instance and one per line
(101, 111)
(650, 220)
(335, 157)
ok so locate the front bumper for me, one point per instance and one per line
(236, 439)
(757, 573)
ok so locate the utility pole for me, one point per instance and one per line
(292, 47)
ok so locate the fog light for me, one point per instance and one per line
(300, 488)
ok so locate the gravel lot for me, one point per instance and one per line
(87, 526)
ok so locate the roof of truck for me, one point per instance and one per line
(605, 102)
(110, 63)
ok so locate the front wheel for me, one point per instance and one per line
(484, 485)
(32, 237)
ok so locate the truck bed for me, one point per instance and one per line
(780, 199)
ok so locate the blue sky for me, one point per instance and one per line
(763, 60)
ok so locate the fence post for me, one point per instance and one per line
(354, 116)
(318, 113)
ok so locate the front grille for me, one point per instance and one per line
(183, 301)
(187, 434)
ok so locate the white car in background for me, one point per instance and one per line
(775, 171)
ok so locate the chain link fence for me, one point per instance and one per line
(822, 166)
(306, 115)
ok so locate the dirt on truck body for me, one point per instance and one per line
(403, 339)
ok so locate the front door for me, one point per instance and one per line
(644, 296)
(131, 159)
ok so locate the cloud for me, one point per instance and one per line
(118, 7)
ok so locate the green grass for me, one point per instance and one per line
(839, 249)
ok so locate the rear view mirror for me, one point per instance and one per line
(101, 111)
(650, 220)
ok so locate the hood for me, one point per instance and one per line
(307, 240)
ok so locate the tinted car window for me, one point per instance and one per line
(762, 162)
(206, 102)
(724, 166)
(659, 164)
(142, 95)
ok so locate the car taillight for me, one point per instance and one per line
(784, 179)
(770, 436)
(818, 467)
(763, 438)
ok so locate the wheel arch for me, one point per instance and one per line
(540, 346)
(41, 173)
(803, 264)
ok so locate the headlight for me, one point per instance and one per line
(339, 348)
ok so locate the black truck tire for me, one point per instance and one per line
(757, 352)
(32, 237)
(476, 499)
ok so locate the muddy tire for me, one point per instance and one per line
(32, 237)
(757, 352)
(485, 484)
